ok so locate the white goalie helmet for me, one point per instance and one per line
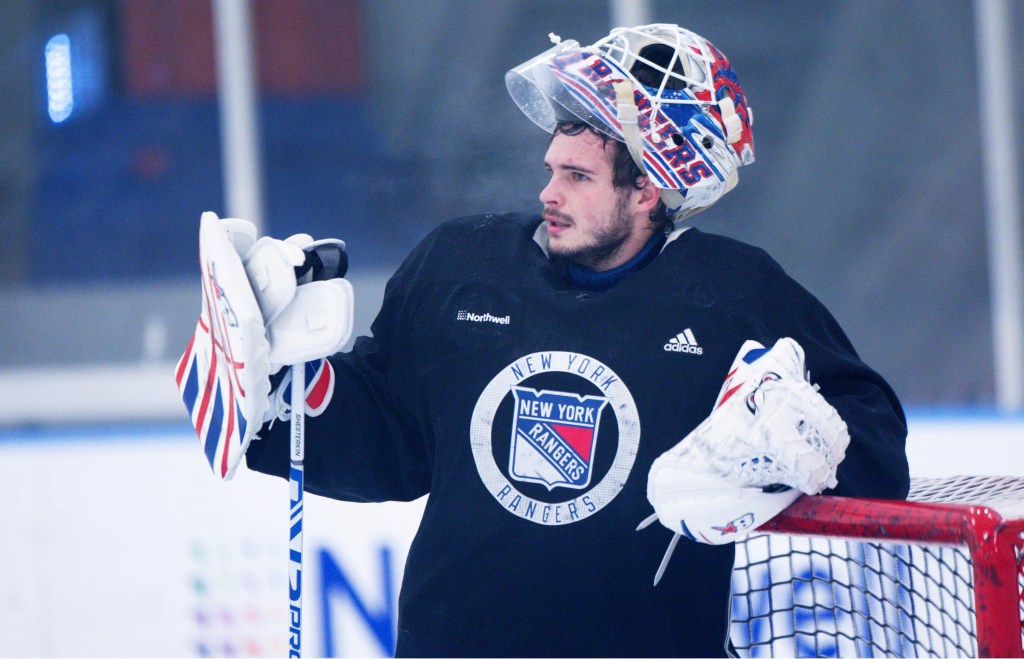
(666, 92)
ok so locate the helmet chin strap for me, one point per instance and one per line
(626, 110)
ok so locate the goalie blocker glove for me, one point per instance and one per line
(770, 437)
(223, 376)
(266, 304)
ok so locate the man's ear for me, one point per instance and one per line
(647, 197)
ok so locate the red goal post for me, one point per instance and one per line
(938, 575)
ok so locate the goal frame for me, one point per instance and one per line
(995, 545)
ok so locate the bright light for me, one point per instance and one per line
(59, 96)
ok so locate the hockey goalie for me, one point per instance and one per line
(516, 375)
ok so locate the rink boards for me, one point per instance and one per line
(117, 542)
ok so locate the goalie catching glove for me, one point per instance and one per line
(770, 437)
(266, 304)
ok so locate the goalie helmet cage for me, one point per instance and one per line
(938, 575)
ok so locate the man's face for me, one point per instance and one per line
(588, 220)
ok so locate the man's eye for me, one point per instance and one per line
(576, 176)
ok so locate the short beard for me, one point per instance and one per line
(607, 243)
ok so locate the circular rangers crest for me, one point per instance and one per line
(554, 436)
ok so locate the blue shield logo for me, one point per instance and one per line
(554, 436)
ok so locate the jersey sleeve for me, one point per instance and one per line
(365, 446)
(875, 465)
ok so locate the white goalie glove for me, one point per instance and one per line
(266, 303)
(770, 426)
(770, 437)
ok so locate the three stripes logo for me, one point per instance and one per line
(684, 342)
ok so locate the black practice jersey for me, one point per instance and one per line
(530, 411)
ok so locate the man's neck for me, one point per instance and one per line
(602, 280)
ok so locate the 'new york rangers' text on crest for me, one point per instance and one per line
(554, 436)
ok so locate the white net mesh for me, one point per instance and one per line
(822, 596)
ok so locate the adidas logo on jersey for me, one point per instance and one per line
(684, 342)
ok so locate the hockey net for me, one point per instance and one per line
(938, 575)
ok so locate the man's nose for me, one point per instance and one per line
(550, 196)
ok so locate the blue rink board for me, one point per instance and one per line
(183, 431)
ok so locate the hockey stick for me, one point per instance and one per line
(295, 473)
(326, 260)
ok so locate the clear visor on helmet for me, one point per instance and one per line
(539, 88)
(567, 83)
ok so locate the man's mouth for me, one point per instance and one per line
(556, 222)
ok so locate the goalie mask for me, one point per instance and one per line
(666, 92)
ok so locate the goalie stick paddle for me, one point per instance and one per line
(295, 473)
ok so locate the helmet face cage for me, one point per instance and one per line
(687, 66)
(692, 122)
